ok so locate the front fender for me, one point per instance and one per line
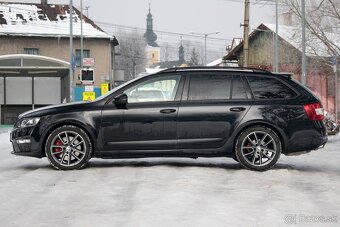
(79, 119)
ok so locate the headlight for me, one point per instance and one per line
(29, 122)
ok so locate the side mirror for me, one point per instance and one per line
(121, 100)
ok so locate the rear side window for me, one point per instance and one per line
(209, 87)
(269, 88)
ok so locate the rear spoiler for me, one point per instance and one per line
(285, 74)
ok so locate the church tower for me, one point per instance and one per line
(150, 37)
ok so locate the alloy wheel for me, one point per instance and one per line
(68, 148)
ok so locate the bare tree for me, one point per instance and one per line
(132, 53)
(167, 52)
(194, 58)
(322, 24)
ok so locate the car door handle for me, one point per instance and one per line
(168, 111)
(237, 109)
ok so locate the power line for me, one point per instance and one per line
(158, 31)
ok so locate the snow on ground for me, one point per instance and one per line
(170, 192)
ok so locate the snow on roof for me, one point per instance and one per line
(19, 19)
(216, 62)
(314, 46)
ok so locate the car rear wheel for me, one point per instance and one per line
(258, 148)
(68, 147)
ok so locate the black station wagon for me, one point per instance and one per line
(249, 115)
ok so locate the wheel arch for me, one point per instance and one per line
(280, 133)
(63, 123)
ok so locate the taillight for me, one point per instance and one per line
(314, 111)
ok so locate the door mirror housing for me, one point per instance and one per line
(121, 100)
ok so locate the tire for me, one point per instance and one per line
(68, 148)
(258, 148)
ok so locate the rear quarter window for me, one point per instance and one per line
(269, 88)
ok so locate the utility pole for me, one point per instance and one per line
(277, 37)
(303, 66)
(81, 35)
(205, 35)
(246, 34)
(71, 52)
(336, 107)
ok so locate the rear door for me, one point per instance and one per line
(213, 104)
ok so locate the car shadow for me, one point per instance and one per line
(227, 165)
(179, 163)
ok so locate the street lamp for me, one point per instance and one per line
(205, 35)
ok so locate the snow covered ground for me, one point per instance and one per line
(171, 192)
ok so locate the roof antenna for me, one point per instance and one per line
(149, 7)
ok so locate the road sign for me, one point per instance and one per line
(89, 88)
(88, 62)
(89, 96)
(105, 88)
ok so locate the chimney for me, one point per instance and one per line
(287, 18)
(44, 2)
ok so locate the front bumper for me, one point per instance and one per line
(24, 142)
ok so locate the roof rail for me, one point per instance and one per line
(174, 69)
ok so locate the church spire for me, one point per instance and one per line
(149, 36)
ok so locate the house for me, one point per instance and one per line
(35, 56)
(320, 74)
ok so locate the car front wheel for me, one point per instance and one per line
(258, 148)
(68, 147)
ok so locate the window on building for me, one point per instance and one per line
(209, 87)
(34, 51)
(269, 88)
(86, 54)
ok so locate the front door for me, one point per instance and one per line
(148, 121)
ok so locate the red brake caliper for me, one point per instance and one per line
(58, 149)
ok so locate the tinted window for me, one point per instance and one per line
(207, 87)
(269, 88)
(155, 90)
(239, 91)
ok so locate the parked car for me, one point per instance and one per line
(249, 115)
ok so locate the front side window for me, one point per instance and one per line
(269, 88)
(209, 87)
(162, 89)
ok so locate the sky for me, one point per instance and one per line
(178, 16)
